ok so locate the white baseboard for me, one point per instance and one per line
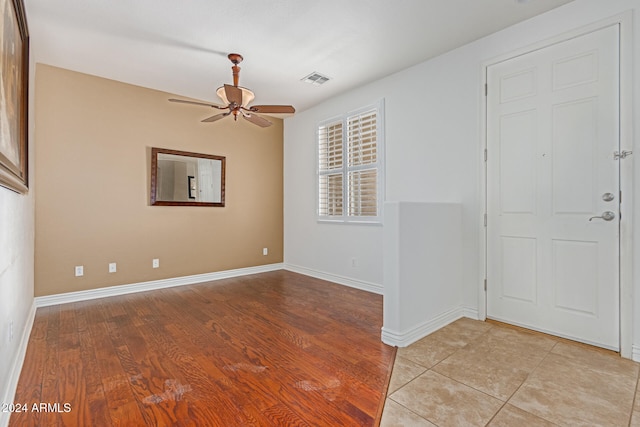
(151, 285)
(635, 353)
(471, 313)
(16, 368)
(341, 280)
(408, 337)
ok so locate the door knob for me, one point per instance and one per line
(607, 216)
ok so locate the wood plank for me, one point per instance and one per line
(51, 377)
(95, 399)
(320, 385)
(29, 389)
(157, 389)
(270, 349)
(122, 408)
(245, 372)
(311, 380)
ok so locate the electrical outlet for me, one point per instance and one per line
(79, 270)
(155, 263)
(112, 267)
(265, 251)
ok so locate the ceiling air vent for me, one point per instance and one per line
(315, 78)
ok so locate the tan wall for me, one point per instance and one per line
(93, 140)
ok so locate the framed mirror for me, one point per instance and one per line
(181, 178)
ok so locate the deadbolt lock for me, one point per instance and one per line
(607, 197)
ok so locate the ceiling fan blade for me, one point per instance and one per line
(257, 120)
(234, 94)
(216, 117)
(278, 109)
(193, 102)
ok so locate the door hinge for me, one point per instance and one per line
(485, 284)
(485, 154)
(485, 220)
(621, 155)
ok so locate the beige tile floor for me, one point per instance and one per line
(473, 373)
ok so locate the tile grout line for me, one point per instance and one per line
(516, 390)
(431, 369)
(635, 398)
(461, 348)
(546, 356)
(485, 393)
(410, 410)
(408, 382)
(525, 380)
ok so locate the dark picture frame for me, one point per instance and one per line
(156, 179)
(192, 186)
(14, 90)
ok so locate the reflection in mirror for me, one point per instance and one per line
(180, 178)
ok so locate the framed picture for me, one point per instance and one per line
(14, 64)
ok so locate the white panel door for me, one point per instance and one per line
(552, 130)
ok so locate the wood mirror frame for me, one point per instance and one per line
(192, 179)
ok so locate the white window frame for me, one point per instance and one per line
(378, 165)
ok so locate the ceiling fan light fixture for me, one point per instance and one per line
(315, 79)
(236, 100)
(247, 95)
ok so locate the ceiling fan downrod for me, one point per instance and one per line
(235, 59)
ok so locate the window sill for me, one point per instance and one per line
(374, 222)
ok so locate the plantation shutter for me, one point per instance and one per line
(363, 164)
(350, 166)
(330, 156)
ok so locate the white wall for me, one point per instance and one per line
(433, 137)
(324, 249)
(16, 287)
(422, 255)
(16, 279)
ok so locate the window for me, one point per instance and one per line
(349, 166)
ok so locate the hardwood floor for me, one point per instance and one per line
(270, 349)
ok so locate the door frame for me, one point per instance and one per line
(624, 21)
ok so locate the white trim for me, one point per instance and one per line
(151, 285)
(341, 280)
(626, 185)
(635, 353)
(16, 368)
(470, 312)
(406, 338)
(625, 21)
(482, 241)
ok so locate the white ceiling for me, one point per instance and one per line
(180, 46)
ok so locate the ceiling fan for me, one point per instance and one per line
(237, 99)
